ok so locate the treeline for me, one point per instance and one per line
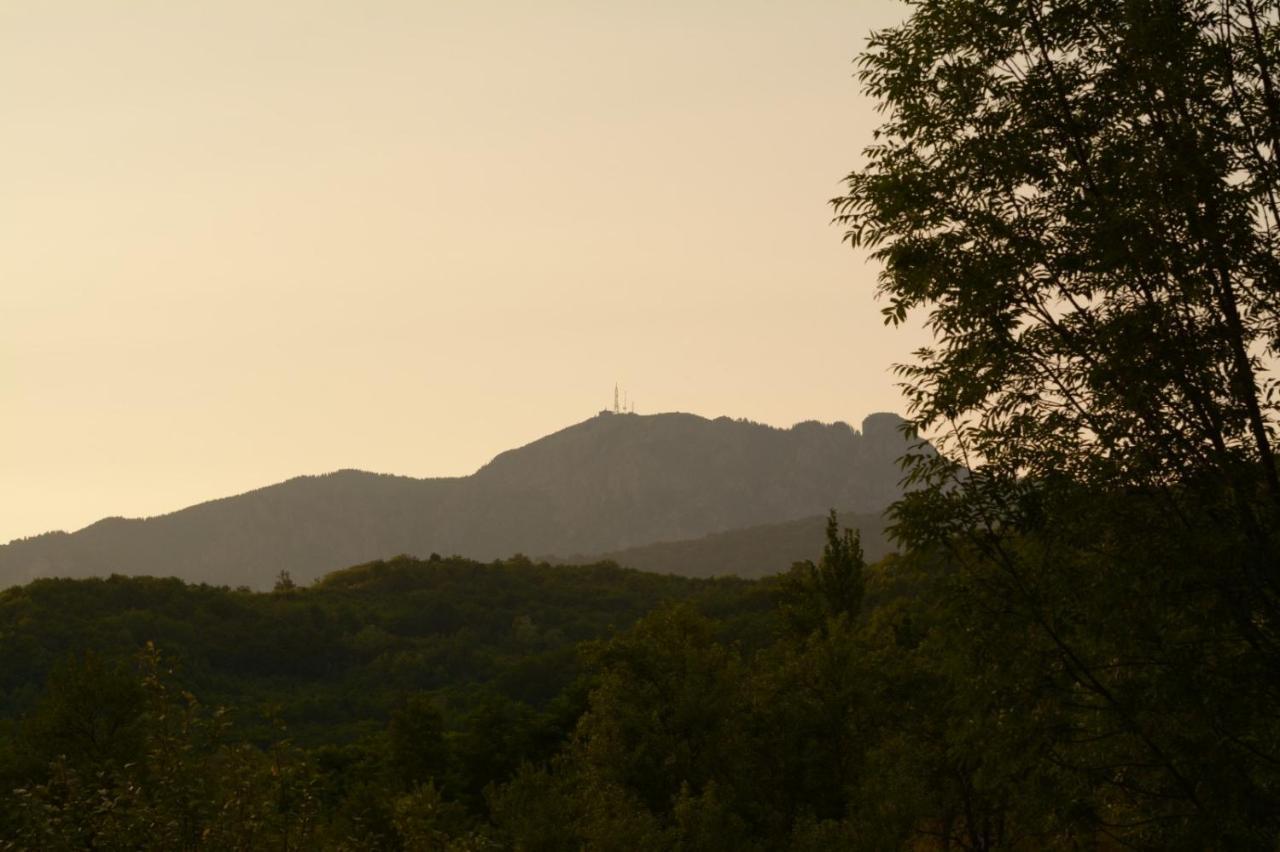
(448, 704)
(143, 712)
(335, 654)
(453, 705)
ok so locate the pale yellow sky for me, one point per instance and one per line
(242, 241)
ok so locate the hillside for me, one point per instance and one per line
(338, 654)
(387, 674)
(607, 484)
(751, 552)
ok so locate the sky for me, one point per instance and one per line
(244, 241)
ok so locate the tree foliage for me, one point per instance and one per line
(813, 594)
(1080, 197)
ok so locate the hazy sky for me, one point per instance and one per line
(241, 241)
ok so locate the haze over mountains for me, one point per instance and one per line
(750, 552)
(609, 484)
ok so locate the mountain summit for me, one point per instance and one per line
(611, 482)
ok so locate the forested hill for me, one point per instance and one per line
(338, 653)
(612, 482)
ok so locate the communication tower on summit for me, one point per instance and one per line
(620, 403)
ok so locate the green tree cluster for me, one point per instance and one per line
(373, 710)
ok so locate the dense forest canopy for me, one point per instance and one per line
(1077, 648)
(373, 680)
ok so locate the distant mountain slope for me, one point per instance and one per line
(609, 483)
(751, 552)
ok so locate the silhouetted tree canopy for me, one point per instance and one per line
(1080, 198)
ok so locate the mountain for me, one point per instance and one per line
(751, 552)
(610, 483)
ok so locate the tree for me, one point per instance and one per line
(664, 724)
(415, 739)
(1081, 198)
(814, 595)
(89, 714)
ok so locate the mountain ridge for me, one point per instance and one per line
(608, 483)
